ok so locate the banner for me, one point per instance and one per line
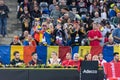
(83, 50)
(108, 53)
(42, 53)
(95, 50)
(117, 49)
(63, 50)
(75, 49)
(89, 70)
(112, 70)
(50, 49)
(28, 50)
(5, 54)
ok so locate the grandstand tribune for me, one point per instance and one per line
(61, 34)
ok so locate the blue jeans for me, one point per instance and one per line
(3, 26)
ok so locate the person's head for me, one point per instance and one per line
(54, 2)
(68, 56)
(118, 15)
(76, 26)
(104, 9)
(110, 39)
(95, 58)
(95, 25)
(96, 14)
(88, 57)
(116, 56)
(25, 1)
(62, 2)
(44, 26)
(30, 37)
(57, 7)
(76, 57)
(21, 38)
(54, 55)
(73, 2)
(34, 56)
(15, 39)
(16, 55)
(64, 10)
(100, 56)
(26, 33)
(48, 19)
(36, 8)
(66, 16)
(58, 26)
(2, 2)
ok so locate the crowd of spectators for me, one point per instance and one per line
(68, 22)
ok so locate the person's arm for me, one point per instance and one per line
(91, 39)
(115, 35)
(99, 38)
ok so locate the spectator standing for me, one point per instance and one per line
(65, 10)
(3, 18)
(116, 34)
(97, 18)
(73, 7)
(77, 36)
(95, 35)
(55, 14)
(52, 6)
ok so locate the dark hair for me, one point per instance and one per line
(33, 53)
(16, 52)
(65, 8)
(85, 57)
(115, 53)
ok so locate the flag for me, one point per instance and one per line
(19, 49)
(42, 53)
(75, 49)
(83, 50)
(50, 49)
(95, 50)
(63, 50)
(5, 54)
(112, 70)
(117, 49)
(28, 50)
(108, 53)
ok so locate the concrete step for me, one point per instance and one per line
(13, 27)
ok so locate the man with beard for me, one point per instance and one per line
(16, 61)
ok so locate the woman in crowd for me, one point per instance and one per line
(54, 60)
(88, 57)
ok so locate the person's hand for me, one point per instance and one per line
(0, 11)
(18, 64)
(95, 37)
